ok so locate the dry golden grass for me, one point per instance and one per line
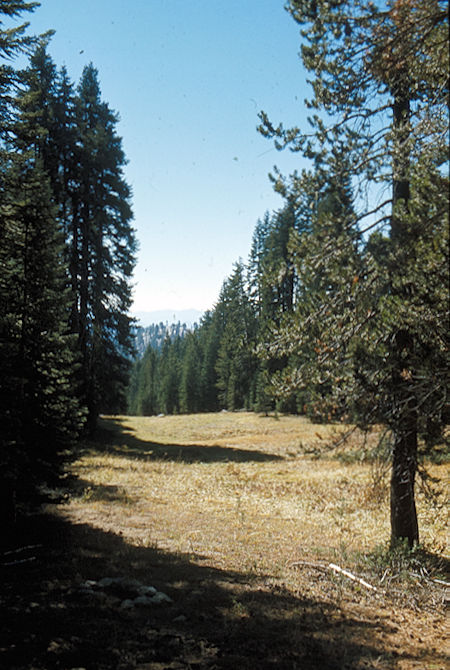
(237, 489)
(242, 494)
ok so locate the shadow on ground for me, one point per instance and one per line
(113, 437)
(217, 619)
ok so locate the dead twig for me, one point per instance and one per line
(440, 581)
(351, 576)
(20, 549)
(335, 568)
(17, 552)
(20, 562)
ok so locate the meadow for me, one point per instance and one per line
(275, 500)
(243, 521)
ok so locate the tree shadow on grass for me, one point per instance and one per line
(107, 493)
(113, 437)
(217, 619)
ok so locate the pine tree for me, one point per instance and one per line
(147, 403)
(13, 42)
(208, 335)
(310, 345)
(169, 376)
(190, 381)
(236, 364)
(255, 273)
(380, 80)
(103, 248)
(40, 412)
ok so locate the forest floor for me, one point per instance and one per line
(207, 542)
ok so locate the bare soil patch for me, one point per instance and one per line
(236, 517)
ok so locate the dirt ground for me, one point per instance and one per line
(233, 520)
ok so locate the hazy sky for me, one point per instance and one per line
(188, 78)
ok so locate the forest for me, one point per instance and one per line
(340, 311)
(246, 493)
(67, 251)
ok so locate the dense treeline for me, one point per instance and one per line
(342, 309)
(155, 334)
(221, 363)
(215, 365)
(66, 257)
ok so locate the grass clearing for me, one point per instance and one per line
(237, 516)
(240, 486)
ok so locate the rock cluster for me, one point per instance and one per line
(127, 592)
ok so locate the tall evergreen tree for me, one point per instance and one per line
(169, 371)
(190, 381)
(256, 258)
(380, 78)
(147, 390)
(103, 251)
(208, 335)
(40, 412)
(236, 363)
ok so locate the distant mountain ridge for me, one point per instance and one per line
(168, 316)
(154, 335)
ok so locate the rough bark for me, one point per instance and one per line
(404, 524)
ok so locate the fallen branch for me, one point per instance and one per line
(23, 560)
(20, 549)
(350, 575)
(440, 581)
(16, 552)
(335, 568)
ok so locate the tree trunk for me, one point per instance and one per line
(404, 525)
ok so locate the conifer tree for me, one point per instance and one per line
(169, 376)
(39, 409)
(103, 248)
(190, 381)
(236, 364)
(147, 390)
(208, 336)
(42, 413)
(13, 42)
(380, 82)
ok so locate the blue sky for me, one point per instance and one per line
(188, 78)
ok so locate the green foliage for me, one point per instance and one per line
(235, 362)
(190, 390)
(41, 412)
(102, 253)
(402, 563)
(368, 334)
(64, 226)
(346, 295)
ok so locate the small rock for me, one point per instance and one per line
(143, 601)
(86, 586)
(180, 619)
(105, 582)
(128, 582)
(86, 591)
(160, 597)
(147, 591)
(127, 604)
